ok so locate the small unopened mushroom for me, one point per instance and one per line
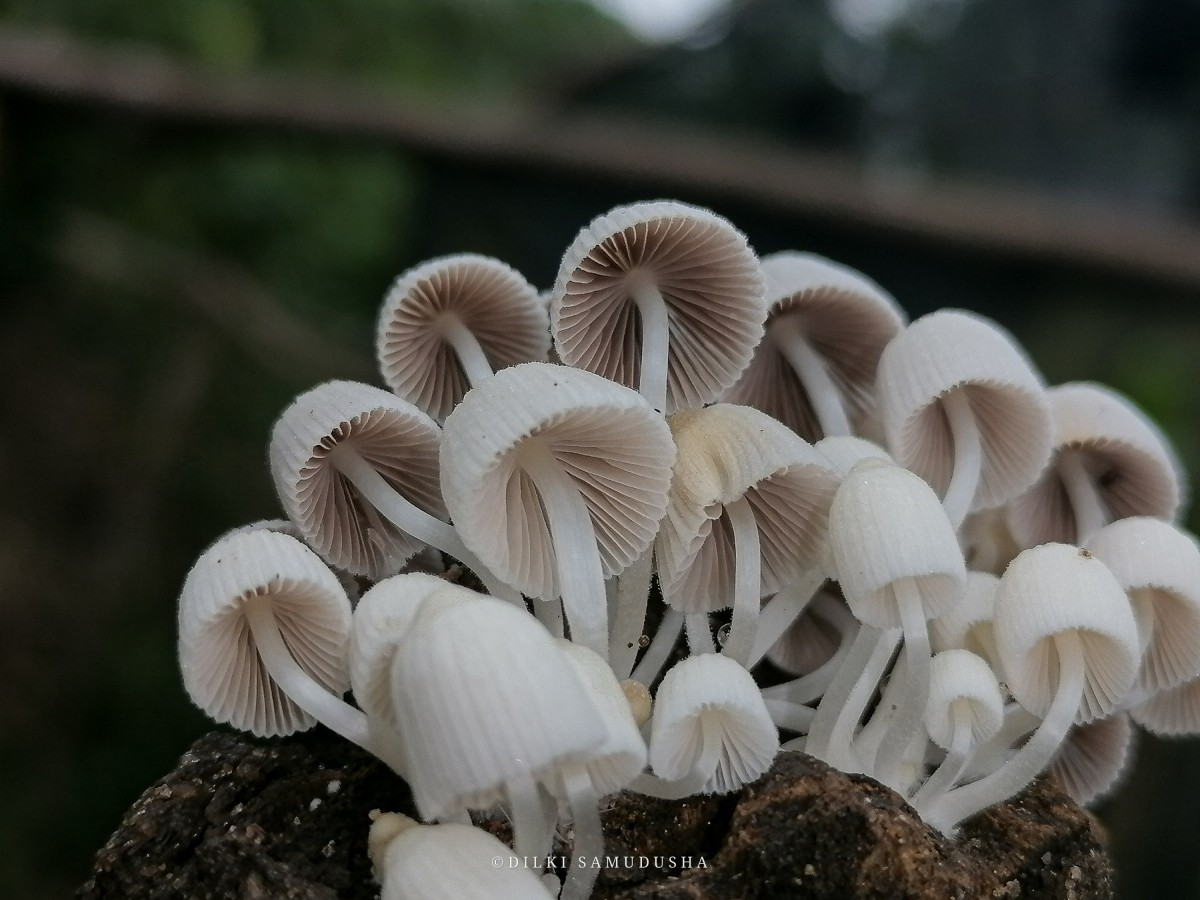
(814, 370)
(448, 323)
(661, 297)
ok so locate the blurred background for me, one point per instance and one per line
(202, 203)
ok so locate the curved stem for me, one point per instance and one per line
(812, 685)
(839, 690)
(788, 337)
(968, 457)
(1087, 505)
(951, 767)
(629, 613)
(532, 826)
(656, 342)
(576, 553)
(781, 611)
(651, 664)
(899, 734)
(550, 614)
(747, 581)
(470, 355)
(992, 753)
(946, 812)
(792, 716)
(841, 741)
(307, 693)
(589, 834)
(699, 633)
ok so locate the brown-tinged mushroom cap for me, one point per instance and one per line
(451, 322)
(660, 297)
(814, 370)
(1109, 461)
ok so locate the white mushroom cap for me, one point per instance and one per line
(1158, 565)
(710, 697)
(968, 625)
(727, 452)
(1124, 454)
(845, 317)
(1093, 758)
(704, 270)
(886, 525)
(486, 697)
(1054, 589)
(955, 351)
(962, 685)
(392, 435)
(222, 671)
(286, 526)
(813, 638)
(1173, 712)
(491, 300)
(845, 450)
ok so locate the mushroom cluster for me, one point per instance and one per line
(750, 510)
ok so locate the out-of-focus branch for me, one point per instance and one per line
(990, 220)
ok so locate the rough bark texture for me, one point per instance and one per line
(241, 818)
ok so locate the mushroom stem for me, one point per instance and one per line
(747, 581)
(946, 811)
(792, 716)
(466, 346)
(651, 664)
(811, 686)
(786, 333)
(781, 611)
(589, 834)
(1087, 506)
(899, 734)
(849, 673)
(550, 614)
(331, 711)
(841, 753)
(532, 827)
(656, 342)
(968, 457)
(577, 556)
(948, 772)
(699, 633)
(629, 613)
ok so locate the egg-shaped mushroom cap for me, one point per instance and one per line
(705, 272)
(710, 696)
(968, 624)
(1050, 590)
(381, 619)
(616, 449)
(845, 317)
(622, 756)
(1173, 712)
(844, 451)
(726, 452)
(393, 436)
(962, 686)
(287, 526)
(492, 300)
(1126, 455)
(886, 525)
(484, 695)
(1092, 759)
(1158, 565)
(953, 350)
(222, 671)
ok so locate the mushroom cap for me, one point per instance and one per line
(1091, 760)
(222, 671)
(707, 275)
(1173, 712)
(485, 695)
(1158, 565)
(815, 636)
(395, 437)
(847, 319)
(715, 691)
(606, 437)
(887, 525)
(727, 452)
(1050, 590)
(968, 624)
(953, 350)
(845, 450)
(286, 526)
(962, 684)
(493, 300)
(1126, 454)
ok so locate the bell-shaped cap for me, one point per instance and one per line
(484, 696)
(844, 451)
(393, 436)
(288, 527)
(705, 272)
(968, 624)
(492, 301)
(843, 316)
(1158, 565)
(1093, 758)
(616, 449)
(1173, 712)
(1050, 590)
(727, 452)
(962, 688)
(711, 697)
(222, 671)
(956, 351)
(886, 525)
(1124, 454)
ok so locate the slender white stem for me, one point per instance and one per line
(781, 611)
(629, 613)
(952, 766)
(747, 581)
(656, 341)
(576, 553)
(1087, 505)
(788, 337)
(661, 645)
(307, 693)
(890, 755)
(699, 633)
(550, 614)
(589, 834)
(945, 812)
(968, 457)
(792, 716)
(812, 685)
(532, 827)
(839, 690)
(995, 751)
(470, 355)
(841, 753)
